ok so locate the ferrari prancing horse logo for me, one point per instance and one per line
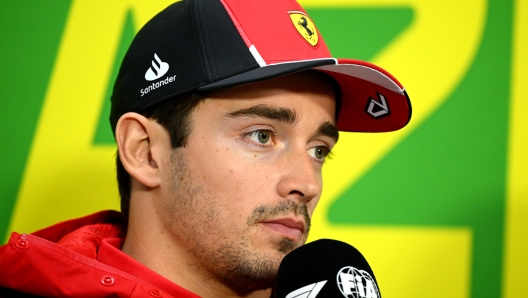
(305, 27)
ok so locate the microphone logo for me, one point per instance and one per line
(355, 283)
(309, 291)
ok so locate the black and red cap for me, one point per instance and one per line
(195, 46)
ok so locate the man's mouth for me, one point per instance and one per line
(291, 228)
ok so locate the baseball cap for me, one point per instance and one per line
(196, 46)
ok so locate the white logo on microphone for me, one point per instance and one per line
(158, 71)
(309, 291)
(355, 283)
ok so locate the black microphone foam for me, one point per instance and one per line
(326, 268)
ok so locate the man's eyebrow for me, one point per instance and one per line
(330, 130)
(265, 111)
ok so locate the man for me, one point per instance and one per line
(223, 113)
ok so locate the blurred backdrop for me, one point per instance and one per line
(440, 208)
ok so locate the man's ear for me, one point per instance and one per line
(138, 139)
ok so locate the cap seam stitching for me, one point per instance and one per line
(198, 37)
(237, 23)
(209, 52)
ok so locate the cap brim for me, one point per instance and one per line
(372, 100)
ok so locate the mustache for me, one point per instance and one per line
(285, 208)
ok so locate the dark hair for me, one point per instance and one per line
(174, 116)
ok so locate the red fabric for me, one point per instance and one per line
(258, 23)
(80, 258)
(363, 92)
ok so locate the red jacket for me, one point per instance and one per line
(80, 258)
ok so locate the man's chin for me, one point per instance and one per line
(255, 269)
(285, 245)
(263, 273)
(254, 275)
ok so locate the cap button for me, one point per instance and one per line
(107, 280)
(155, 293)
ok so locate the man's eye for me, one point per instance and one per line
(264, 136)
(260, 136)
(319, 152)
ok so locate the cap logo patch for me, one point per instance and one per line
(378, 108)
(305, 27)
(160, 68)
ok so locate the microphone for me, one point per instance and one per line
(325, 268)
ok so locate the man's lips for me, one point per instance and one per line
(289, 227)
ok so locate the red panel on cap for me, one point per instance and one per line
(267, 26)
(357, 95)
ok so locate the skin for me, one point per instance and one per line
(218, 215)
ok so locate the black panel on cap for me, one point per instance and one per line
(199, 41)
(227, 53)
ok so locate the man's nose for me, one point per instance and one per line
(301, 179)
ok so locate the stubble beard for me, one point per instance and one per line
(236, 264)
(245, 267)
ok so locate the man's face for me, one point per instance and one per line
(240, 194)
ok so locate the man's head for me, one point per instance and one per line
(239, 193)
(222, 130)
